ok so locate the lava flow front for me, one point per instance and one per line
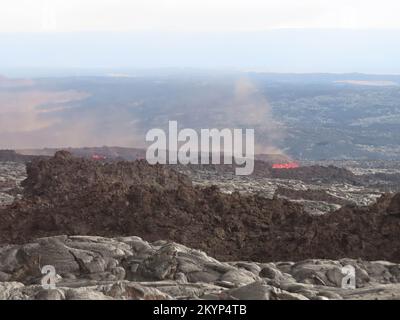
(290, 165)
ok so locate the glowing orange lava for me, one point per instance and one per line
(290, 165)
(98, 157)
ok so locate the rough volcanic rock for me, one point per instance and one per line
(394, 206)
(317, 173)
(11, 175)
(65, 175)
(130, 268)
(310, 194)
(308, 174)
(67, 195)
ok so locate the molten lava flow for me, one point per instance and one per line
(98, 157)
(290, 165)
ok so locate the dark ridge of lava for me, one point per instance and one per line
(308, 174)
(67, 195)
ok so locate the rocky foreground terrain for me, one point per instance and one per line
(131, 268)
(263, 244)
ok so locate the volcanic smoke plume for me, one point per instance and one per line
(251, 109)
(117, 113)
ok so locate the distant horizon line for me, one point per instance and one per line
(194, 31)
(3, 71)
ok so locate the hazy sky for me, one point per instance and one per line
(270, 35)
(194, 15)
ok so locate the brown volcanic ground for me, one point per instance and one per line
(67, 195)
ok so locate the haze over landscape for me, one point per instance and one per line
(74, 64)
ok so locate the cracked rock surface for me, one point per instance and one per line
(90, 267)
